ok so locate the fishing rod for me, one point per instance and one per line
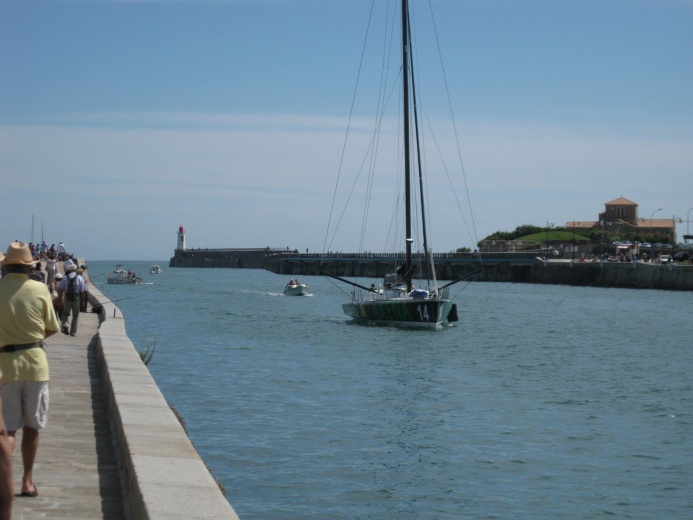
(120, 299)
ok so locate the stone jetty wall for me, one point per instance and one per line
(225, 258)
(521, 267)
(163, 476)
(632, 275)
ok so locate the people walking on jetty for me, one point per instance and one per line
(57, 296)
(38, 274)
(81, 271)
(61, 251)
(26, 319)
(74, 292)
(51, 269)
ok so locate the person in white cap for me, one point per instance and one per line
(26, 319)
(73, 289)
(61, 252)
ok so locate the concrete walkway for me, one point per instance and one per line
(76, 472)
(112, 448)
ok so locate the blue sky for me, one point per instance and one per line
(121, 120)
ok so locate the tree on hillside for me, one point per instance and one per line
(520, 231)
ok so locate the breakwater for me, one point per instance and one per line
(162, 475)
(498, 267)
(240, 258)
(521, 267)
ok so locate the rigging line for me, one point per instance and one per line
(424, 191)
(351, 112)
(392, 234)
(454, 125)
(380, 110)
(464, 287)
(358, 176)
(338, 286)
(452, 186)
(363, 162)
(418, 155)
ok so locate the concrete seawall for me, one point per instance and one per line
(163, 475)
(248, 258)
(630, 275)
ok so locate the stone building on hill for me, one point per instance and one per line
(620, 219)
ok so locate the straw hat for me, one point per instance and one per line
(70, 266)
(18, 254)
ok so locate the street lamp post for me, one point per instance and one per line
(651, 244)
(603, 238)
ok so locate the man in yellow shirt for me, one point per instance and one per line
(26, 319)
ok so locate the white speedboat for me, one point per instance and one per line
(155, 269)
(295, 288)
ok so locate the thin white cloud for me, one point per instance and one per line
(243, 180)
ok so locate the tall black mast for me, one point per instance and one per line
(418, 159)
(406, 43)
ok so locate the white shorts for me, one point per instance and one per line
(25, 403)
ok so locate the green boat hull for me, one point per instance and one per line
(427, 313)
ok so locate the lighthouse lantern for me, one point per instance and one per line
(181, 239)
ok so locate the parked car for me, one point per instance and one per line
(682, 256)
(665, 259)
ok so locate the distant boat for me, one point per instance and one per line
(155, 269)
(121, 276)
(397, 301)
(295, 288)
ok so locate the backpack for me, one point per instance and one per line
(71, 293)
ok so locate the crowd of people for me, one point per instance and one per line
(35, 303)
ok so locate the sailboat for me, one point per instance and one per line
(397, 302)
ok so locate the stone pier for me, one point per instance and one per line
(112, 449)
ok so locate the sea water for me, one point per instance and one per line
(541, 402)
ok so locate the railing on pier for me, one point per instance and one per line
(515, 257)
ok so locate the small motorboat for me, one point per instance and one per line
(121, 276)
(295, 288)
(155, 269)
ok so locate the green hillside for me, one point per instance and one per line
(553, 236)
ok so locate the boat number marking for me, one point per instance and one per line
(423, 315)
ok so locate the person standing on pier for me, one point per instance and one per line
(6, 484)
(26, 319)
(74, 291)
(51, 269)
(61, 251)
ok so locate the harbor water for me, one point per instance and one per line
(543, 401)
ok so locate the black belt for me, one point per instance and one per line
(15, 348)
